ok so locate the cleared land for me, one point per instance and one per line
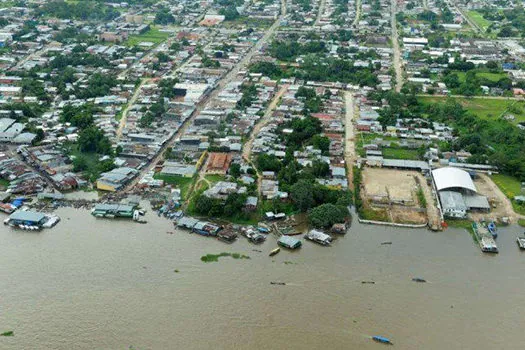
(510, 187)
(153, 35)
(479, 20)
(391, 195)
(485, 107)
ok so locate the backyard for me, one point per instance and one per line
(183, 183)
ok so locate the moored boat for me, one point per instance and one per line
(521, 241)
(493, 229)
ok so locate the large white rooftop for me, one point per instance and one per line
(447, 178)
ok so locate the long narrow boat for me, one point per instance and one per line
(381, 339)
(275, 251)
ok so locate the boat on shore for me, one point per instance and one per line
(521, 242)
(381, 339)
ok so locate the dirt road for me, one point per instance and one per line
(247, 149)
(350, 155)
(355, 23)
(395, 47)
(124, 117)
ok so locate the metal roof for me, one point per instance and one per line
(448, 177)
(27, 216)
(452, 200)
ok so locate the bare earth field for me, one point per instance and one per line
(395, 191)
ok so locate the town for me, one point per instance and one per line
(250, 117)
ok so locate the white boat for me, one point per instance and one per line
(521, 242)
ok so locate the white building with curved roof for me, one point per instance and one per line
(452, 178)
(457, 192)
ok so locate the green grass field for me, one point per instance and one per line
(183, 183)
(153, 35)
(400, 153)
(486, 107)
(479, 20)
(487, 75)
(511, 187)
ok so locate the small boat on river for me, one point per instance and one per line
(381, 339)
(275, 251)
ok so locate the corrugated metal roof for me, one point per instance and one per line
(27, 216)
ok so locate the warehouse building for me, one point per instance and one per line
(457, 192)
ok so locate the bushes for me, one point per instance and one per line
(325, 215)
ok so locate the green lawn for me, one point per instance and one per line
(153, 35)
(214, 178)
(487, 75)
(479, 20)
(183, 183)
(486, 107)
(511, 187)
(400, 153)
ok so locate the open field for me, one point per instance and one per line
(510, 187)
(183, 183)
(477, 18)
(400, 153)
(494, 77)
(153, 35)
(485, 107)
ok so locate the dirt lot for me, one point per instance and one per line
(502, 208)
(382, 183)
(395, 191)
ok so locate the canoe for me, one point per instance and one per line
(381, 339)
(420, 280)
(275, 251)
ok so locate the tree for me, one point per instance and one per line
(92, 139)
(302, 195)
(325, 215)
(266, 162)
(164, 17)
(321, 142)
(320, 169)
(203, 204)
(80, 163)
(235, 170)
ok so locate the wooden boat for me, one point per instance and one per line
(521, 242)
(275, 251)
(381, 339)
(420, 280)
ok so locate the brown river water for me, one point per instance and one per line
(103, 284)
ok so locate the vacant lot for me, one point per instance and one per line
(479, 20)
(389, 185)
(484, 107)
(153, 36)
(391, 195)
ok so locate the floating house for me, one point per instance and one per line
(318, 237)
(113, 211)
(289, 242)
(26, 218)
(201, 227)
